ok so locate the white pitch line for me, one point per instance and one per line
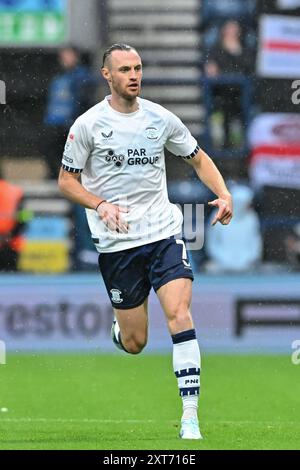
(74, 420)
(137, 421)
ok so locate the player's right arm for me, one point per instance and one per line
(77, 151)
(110, 214)
(71, 187)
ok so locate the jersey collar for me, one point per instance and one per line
(114, 111)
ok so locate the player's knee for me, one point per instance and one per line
(134, 345)
(180, 319)
(134, 348)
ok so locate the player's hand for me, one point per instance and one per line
(111, 215)
(224, 214)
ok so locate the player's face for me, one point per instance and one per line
(125, 74)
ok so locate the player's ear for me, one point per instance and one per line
(106, 74)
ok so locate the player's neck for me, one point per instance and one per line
(123, 106)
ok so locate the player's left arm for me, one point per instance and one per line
(209, 174)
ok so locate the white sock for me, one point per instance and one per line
(190, 413)
(187, 364)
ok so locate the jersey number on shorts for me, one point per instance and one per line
(184, 253)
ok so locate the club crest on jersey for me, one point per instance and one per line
(107, 136)
(112, 157)
(151, 133)
(116, 296)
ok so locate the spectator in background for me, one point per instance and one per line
(228, 56)
(71, 92)
(11, 225)
(215, 9)
(239, 247)
(292, 247)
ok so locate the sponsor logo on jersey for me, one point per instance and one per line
(68, 159)
(107, 136)
(116, 296)
(139, 157)
(71, 136)
(135, 157)
(151, 133)
(143, 160)
(136, 152)
(116, 159)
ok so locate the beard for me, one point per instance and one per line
(124, 93)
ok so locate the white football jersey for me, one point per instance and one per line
(121, 159)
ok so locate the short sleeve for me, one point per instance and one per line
(77, 149)
(180, 141)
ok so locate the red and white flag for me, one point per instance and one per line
(279, 47)
(275, 157)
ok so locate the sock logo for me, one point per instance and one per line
(188, 381)
(191, 381)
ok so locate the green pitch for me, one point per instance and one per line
(131, 402)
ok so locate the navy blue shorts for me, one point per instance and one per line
(129, 274)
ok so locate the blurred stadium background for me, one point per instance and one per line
(237, 91)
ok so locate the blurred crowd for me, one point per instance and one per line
(70, 93)
(255, 239)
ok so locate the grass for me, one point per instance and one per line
(131, 402)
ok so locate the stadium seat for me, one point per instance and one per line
(15, 169)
